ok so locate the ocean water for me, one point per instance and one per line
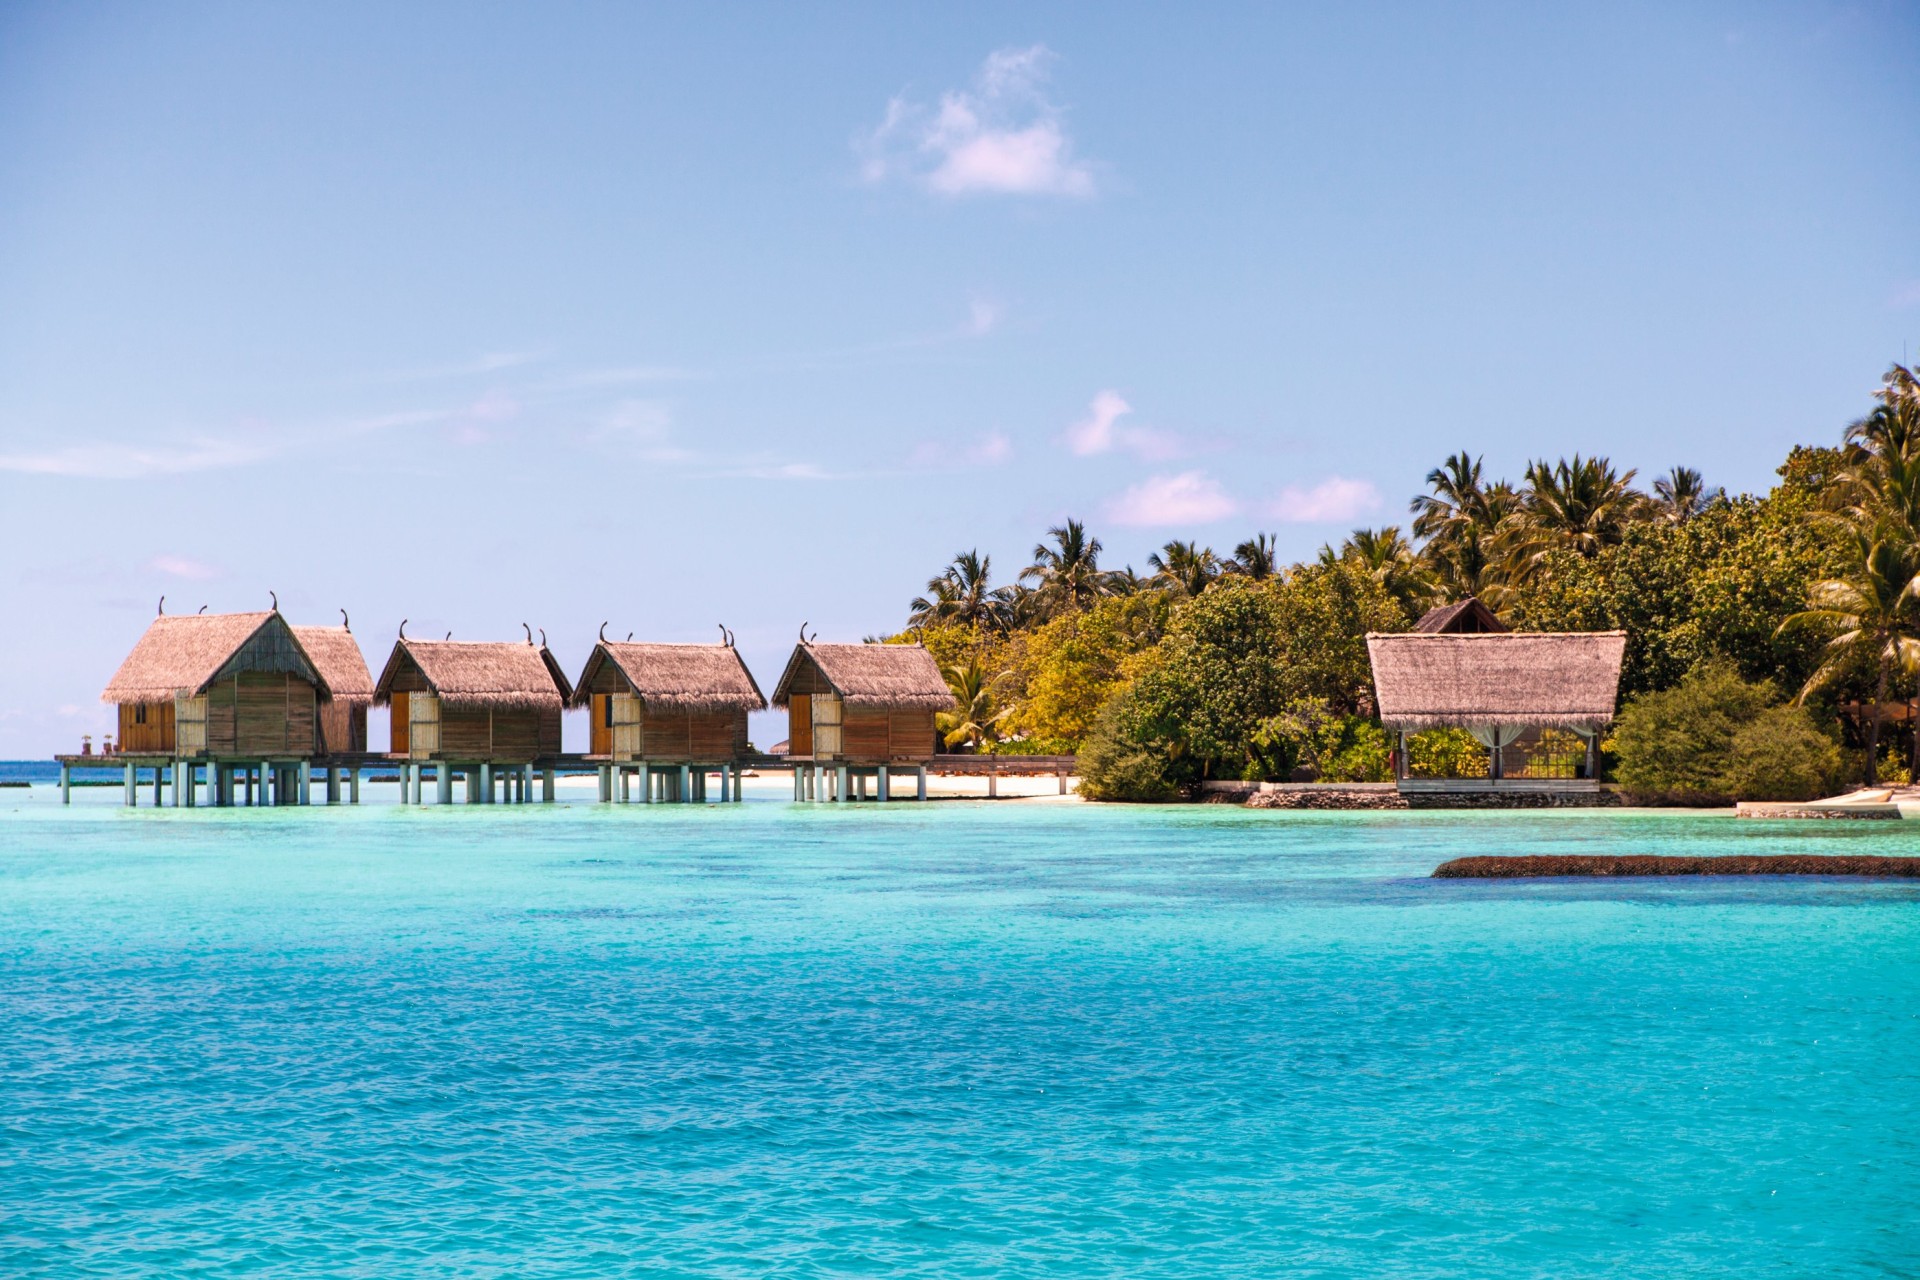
(958, 1039)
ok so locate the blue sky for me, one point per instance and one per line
(673, 317)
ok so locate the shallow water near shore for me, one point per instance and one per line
(945, 1040)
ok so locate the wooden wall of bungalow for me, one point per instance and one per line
(624, 728)
(425, 725)
(821, 725)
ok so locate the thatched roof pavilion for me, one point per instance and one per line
(336, 656)
(222, 684)
(678, 703)
(1557, 679)
(473, 700)
(862, 702)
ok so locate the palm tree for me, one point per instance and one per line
(1184, 567)
(974, 720)
(1256, 558)
(1459, 524)
(1582, 505)
(1893, 428)
(1389, 559)
(962, 594)
(1067, 573)
(1872, 614)
(1682, 494)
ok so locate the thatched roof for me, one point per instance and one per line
(480, 673)
(336, 655)
(1462, 617)
(1553, 678)
(872, 675)
(179, 656)
(677, 677)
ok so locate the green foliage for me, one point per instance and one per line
(1068, 668)
(1446, 753)
(1310, 738)
(1714, 587)
(1116, 762)
(1715, 738)
(1243, 655)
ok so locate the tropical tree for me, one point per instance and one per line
(1067, 573)
(1682, 494)
(975, 720)
(1459, 524)
(1184, 568)
(1256, 558)
(1871, 615)
(963, 593)
(1389, 559)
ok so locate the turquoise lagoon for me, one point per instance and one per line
(958, 1039)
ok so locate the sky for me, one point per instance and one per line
(478, 315)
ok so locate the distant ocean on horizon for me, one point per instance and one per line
(963, 1039)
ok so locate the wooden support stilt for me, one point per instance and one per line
(993, 785)
(306, 782)
(66, 784)
(644, 782)
(920, 782)
(443, 783)
(683, 790)
(333, 784)
(880, 785)
(158, 771)
(353, 784)
(546, 785)
(246, 783)
(486, 782)
(841, 793)
(726, 784)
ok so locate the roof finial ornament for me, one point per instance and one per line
(629, 637)
(203, 609)
(403, 628)
(729, 639)
(723, 633)
(529, 630)
(603, 633)
(346, 624)
(449, 635)
(276, 602)
(803, 633)
(163, 608)
(543, 637)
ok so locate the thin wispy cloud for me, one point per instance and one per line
(181, 567)
(108, 461)
(490, 362)
(1101, 431)
(1333, 499)
(1004, 135)
(1189, 498)
(989, 450)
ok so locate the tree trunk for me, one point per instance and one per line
(1873, 726)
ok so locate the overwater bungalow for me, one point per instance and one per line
(335, 654)
(487, 708)
(233, 692)
(855, 710)
(666, 715)
(1500, 686)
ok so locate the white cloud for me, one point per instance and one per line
(108, 461)
(1101, 432)
(982, 317)
(1003, 136)
(989, 450)
(1191, 497)
(1335, 498)
(181, 567)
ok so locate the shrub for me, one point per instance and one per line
(1446, 753)
(1714, 738)
(1115, 764)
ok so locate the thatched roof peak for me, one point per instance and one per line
(1463, 617)
(874, 675)
(676, 677)
(1563, 679)
(336, 655)
(179, 655)
(505, 674)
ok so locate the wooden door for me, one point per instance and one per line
(190, 726)
(423, 726)
(629, 733)
(826, 727)
(600, 742)
(397, 714)
(800, 725)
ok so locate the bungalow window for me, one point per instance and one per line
(606, 713)
(140, 713)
